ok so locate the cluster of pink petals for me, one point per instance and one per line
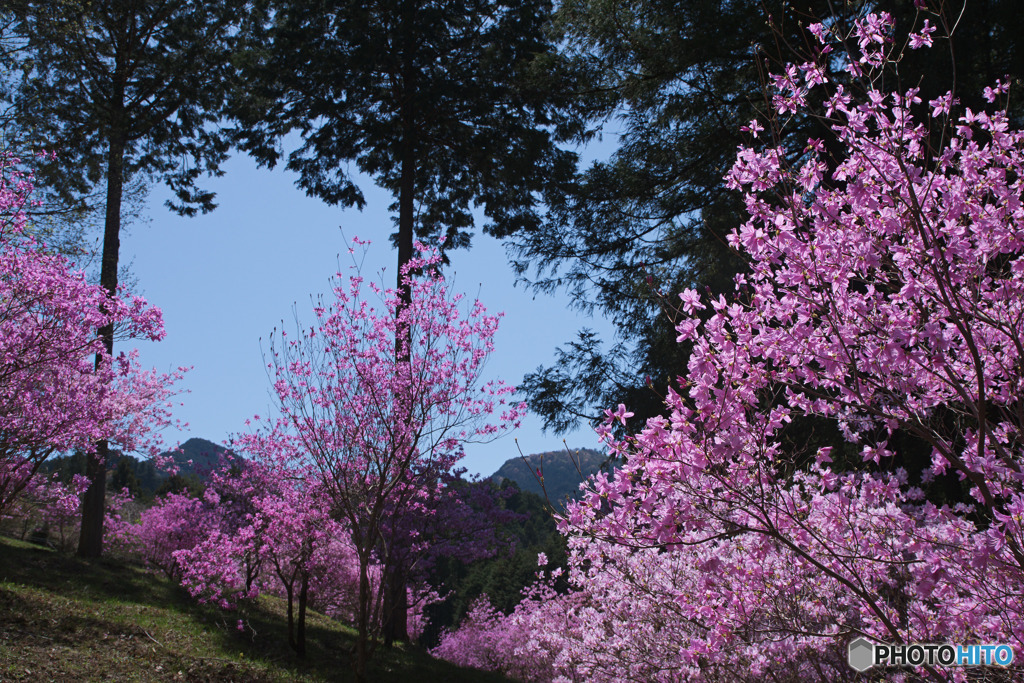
(523, 645)
(886, 297)
(54, 394)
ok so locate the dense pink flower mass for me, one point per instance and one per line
(886, 297)
(523, 645)
(175, 523)
(59, 390)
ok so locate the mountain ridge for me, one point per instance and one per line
(554, 474)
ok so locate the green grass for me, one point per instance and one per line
(63, 619)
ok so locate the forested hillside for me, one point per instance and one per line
(194, 460)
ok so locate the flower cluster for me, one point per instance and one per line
(59, 389)
(884, 301)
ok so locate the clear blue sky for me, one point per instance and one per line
(226, 279)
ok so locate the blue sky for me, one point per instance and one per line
(226, 279)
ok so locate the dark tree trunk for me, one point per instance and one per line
(90, 542)
(300, 633)
(394, 624)
(362, 648)
(406, 199)
(396, 606)
(289, 590)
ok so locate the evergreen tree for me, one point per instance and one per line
(677, 82)
(124, 477)
(181, 484)
(440, 102)
(123, 90)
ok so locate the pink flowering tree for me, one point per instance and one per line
(264, 530)
(531, 643)
(54, 395)
(227, 565)
(49, 506)
(296, 544)
(176, 522)
(884, 295)
(885, 298)
(377, 399)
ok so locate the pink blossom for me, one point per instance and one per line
(59, 389)
(718, 549)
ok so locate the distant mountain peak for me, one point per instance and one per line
(204, 456)
(563, 471)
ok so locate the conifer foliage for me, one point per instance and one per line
(440, 103)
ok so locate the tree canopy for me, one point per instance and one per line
(676, 82)
(439, 102)
(123, 90)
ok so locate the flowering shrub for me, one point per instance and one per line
(522, 646)
(176, 522)
(59, 389)
(886, 297)
(49, 508)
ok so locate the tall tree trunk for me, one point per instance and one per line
(406, 197)
(393, 615)
(300, 636)
(396, 605)
(90, 543)
(289, 589)
(394, 626)
(362, 654)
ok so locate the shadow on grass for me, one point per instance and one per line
(107, 620)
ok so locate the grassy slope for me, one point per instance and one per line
(65, 619)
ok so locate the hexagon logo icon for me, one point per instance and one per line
(862, 654)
